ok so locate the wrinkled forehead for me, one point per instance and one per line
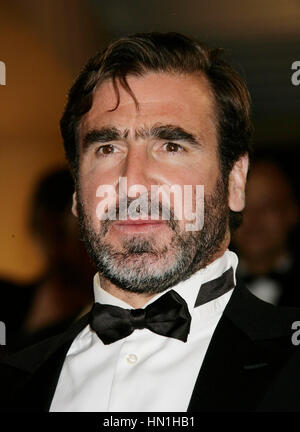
(162, 95)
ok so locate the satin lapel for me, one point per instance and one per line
(246, 351)
(39, 388)
(224, 384)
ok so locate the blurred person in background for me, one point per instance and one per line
(268, 264)
(46, 306)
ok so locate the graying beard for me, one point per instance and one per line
(192, 251)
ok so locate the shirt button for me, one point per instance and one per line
(131, 358)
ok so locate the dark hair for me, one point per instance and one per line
(170, 52)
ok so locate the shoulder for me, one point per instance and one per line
(30, 358)
(261, 320)
(22, 372)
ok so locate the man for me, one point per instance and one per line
(267, 263)
(170, 330)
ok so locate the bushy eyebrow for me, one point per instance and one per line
(168, 132)
(163, 132)
(105, 134)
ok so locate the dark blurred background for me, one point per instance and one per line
(44, 43)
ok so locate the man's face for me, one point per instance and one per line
(171, 139)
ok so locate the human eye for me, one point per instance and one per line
(106, 150)
(171, 147)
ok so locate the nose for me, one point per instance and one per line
(137, 169)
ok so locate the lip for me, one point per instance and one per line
(139, 225)
(139, 222)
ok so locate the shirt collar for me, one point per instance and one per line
(188, 289)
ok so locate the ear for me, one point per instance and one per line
(237, 184)
(74, 205)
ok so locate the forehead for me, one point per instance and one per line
(162, 98)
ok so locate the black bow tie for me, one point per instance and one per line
(168, 316)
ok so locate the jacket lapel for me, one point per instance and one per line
(246, 352)
(248, 348)
(41, 365)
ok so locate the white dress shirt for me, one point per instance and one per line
(144, 371)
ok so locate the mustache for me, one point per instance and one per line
(147, 209)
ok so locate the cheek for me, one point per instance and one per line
(91, 178)
(88, 189)
(191, 175)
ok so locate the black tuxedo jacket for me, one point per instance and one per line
(246, 367)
